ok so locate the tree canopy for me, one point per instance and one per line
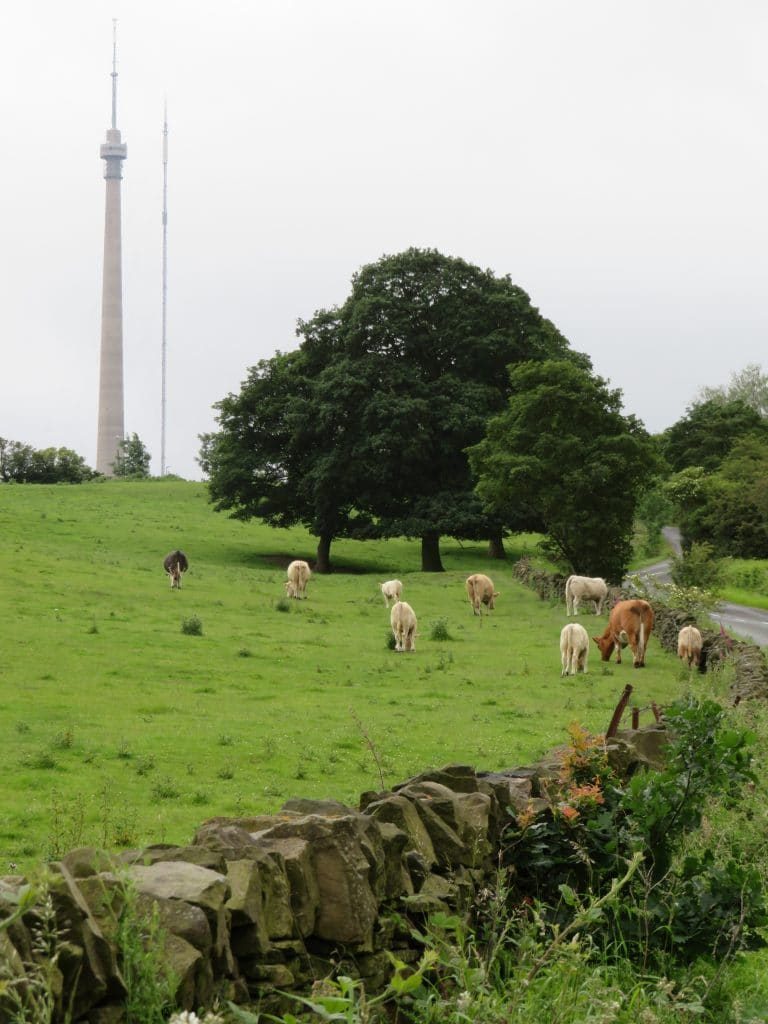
(132, 458)
(21, 463)
(369, 420)
(727, 508)
(564, 456)
(708, 431)
(749, 386)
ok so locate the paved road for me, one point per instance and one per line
(747, 623)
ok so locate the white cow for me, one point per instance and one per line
(391, 590)
(298, 577)
(574, 649)
(689, 644)
(480, 591)
(403, 621)
(584, 588)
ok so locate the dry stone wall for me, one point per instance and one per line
(258, 904)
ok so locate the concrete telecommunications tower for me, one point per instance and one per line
(111, 418)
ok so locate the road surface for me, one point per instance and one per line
(743, 622)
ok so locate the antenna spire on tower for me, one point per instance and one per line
(114, 72)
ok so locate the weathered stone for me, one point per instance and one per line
(448, 847)
(227, 839)
(259, 904)
(401, 812)
(396, 879)
(277, 975)
(473, 814)
(375, 969)
(347, 907)
(325, 808)
(190, 971)
(199, 886)
(459, 778)
(295, 855)
(90, 973)
(423, 903)
(632, 749)
(441, 800)
(509, 790)
(87, 861)
(442, 888)
(184, 920)
(417, 868)
(203, 856)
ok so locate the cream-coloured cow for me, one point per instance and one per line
(403, 621)
(689, 643)
(480, 592)
(584, 588)
(298, 577)
(574, 649)
(391, 591)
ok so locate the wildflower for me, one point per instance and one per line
(463, 1002)
(526, 816)
(569, 813)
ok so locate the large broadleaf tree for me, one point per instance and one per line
(364, 430)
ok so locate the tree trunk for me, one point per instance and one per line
(496, 546)
(430, 553)
(323, 563)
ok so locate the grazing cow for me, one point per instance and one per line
(574, 649)
(480, 591)
(633, 620)
(584, 588)
(403, 621)
(175, 564)
(689, 645)
(298, 577)
(391, 590)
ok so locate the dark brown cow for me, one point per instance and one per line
(175, 564)
(632, 620)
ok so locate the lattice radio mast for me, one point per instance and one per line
(164, 350)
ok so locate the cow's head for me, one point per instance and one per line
(606, 645)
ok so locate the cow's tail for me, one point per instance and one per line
(641, 642)
(568, 599)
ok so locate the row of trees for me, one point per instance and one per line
(718, 452)
(435, 401)
(23, 464)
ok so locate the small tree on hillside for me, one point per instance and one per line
(132, 458)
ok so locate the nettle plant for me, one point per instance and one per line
(597, 822)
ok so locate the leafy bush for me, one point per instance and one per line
(697, 567)
(192, 626)
(439, 631)
(597, 823)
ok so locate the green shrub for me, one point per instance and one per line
(439, 631)
(192, 626)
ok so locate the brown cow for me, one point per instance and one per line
(175, 564)
(634, 619)
(480, 591)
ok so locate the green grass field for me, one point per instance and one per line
(118, 729)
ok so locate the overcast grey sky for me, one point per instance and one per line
(612, 157)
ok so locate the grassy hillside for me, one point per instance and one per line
(118, 729)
